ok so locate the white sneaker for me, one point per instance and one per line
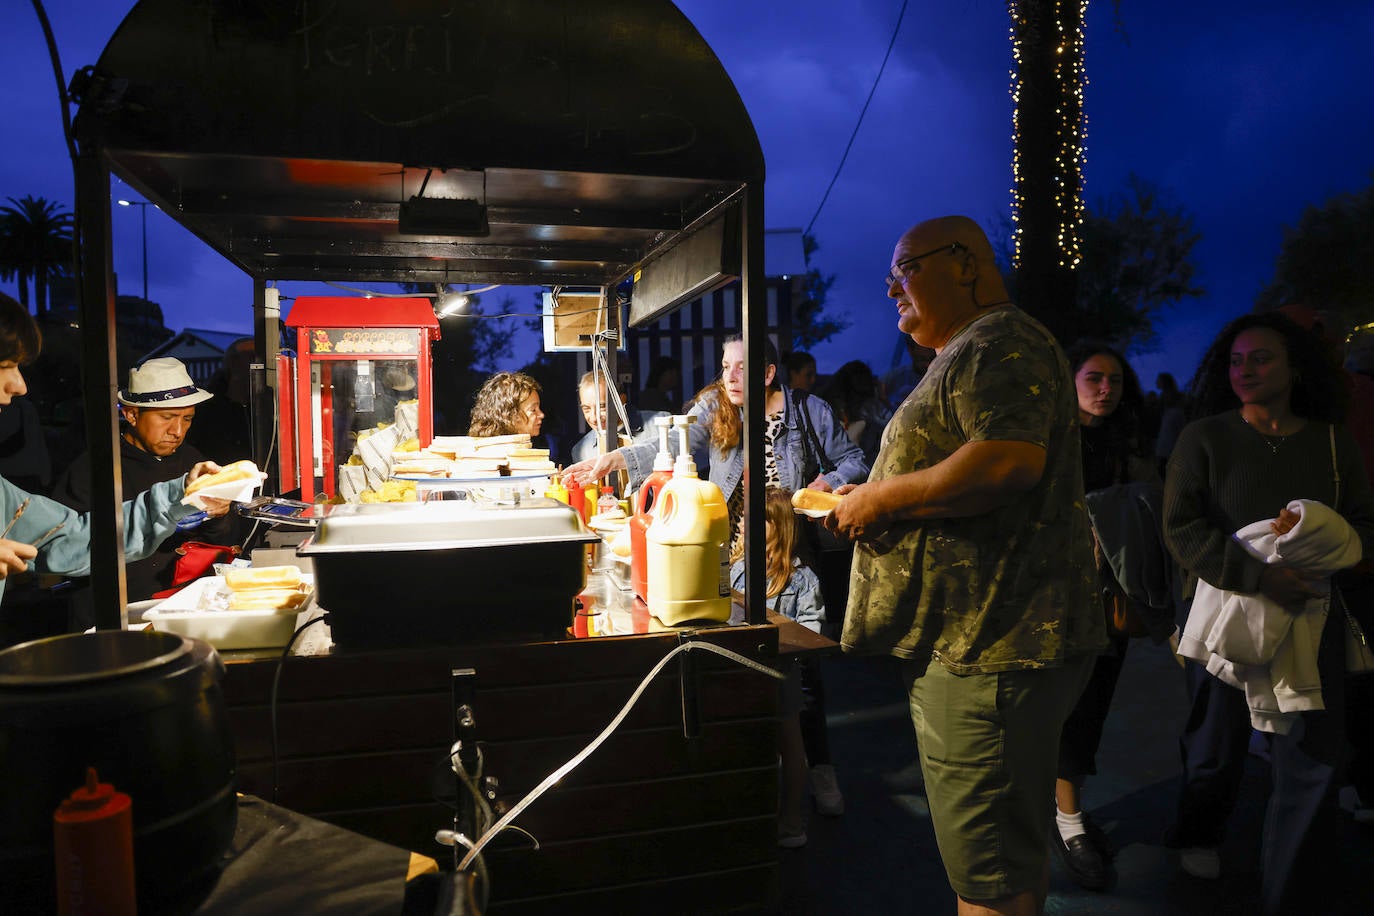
(1200, 862)
(791, 836)
(825, 791)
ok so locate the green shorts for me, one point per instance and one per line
(989, 747)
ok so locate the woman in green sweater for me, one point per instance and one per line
(1267, 395)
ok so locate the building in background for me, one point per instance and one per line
(201, 350)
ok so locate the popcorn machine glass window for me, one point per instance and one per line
(357, 390)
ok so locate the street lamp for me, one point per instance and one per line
(143, 206)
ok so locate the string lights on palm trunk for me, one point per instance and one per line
(1067, 82)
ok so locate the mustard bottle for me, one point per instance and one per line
(556, 490)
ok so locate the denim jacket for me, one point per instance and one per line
(796, 463)
(148, 520)
(800, 600)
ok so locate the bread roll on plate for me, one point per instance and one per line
(262, 577)
(267, 599)
(815, 503)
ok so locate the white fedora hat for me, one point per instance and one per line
(161, 383)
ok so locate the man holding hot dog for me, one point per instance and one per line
(157, 409)
(974, 565)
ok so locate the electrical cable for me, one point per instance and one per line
(375, 294)
(836, 177)
(553, 778)
(272, 701)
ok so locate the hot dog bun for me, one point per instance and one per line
(267, 599)
(262, 577)
(239, 470)
(818, 500)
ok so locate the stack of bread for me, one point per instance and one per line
(486, 456)
(527, 461)
(420, 464)
(265, 588)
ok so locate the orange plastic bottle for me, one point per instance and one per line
(643, 514)
(93, 834)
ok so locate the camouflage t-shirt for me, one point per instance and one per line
(1014, 587)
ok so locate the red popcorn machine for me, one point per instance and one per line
(359, 382)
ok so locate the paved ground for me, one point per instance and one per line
(880, 856)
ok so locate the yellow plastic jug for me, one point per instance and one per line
(689, 549)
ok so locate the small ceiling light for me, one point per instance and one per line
(450, 304)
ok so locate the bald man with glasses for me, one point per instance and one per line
(974, 564)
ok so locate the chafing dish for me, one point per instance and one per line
(446, 571)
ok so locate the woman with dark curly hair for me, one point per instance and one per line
(1268, 398)
(507, 404)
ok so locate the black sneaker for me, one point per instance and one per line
(1085, 865)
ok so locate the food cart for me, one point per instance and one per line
(538, 142)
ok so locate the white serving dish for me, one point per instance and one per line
(199, 611)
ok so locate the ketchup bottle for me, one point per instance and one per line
(93, 835)
(577, 498)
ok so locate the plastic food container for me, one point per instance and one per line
(197, 611)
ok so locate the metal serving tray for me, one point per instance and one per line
(449, 572)
(444, 524)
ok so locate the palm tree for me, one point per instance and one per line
(35, 244)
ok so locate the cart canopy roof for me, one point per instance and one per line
(543, 142)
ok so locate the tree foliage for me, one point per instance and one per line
(810, 323)
(1326, 259)
(35, 246)
(471, 347)
(1137, 262)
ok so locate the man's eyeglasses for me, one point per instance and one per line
(898, 271)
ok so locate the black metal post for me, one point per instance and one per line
(97, 315)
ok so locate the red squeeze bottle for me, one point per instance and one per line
(577, 498)
(93, 833)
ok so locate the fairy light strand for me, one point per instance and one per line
(1070, 84)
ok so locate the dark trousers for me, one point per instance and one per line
(1302, 823)
(1359, 708)
(1358, 593)
(1082, 733)
(815, 735)
(832, 568)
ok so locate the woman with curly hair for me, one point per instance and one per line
(1268, 399)
(507, 404)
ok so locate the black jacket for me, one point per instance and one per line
(140, 471)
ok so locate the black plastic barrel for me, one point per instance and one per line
(145, 709)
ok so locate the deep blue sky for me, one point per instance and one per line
(1245, 113)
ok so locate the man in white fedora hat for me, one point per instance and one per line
(157, 409)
